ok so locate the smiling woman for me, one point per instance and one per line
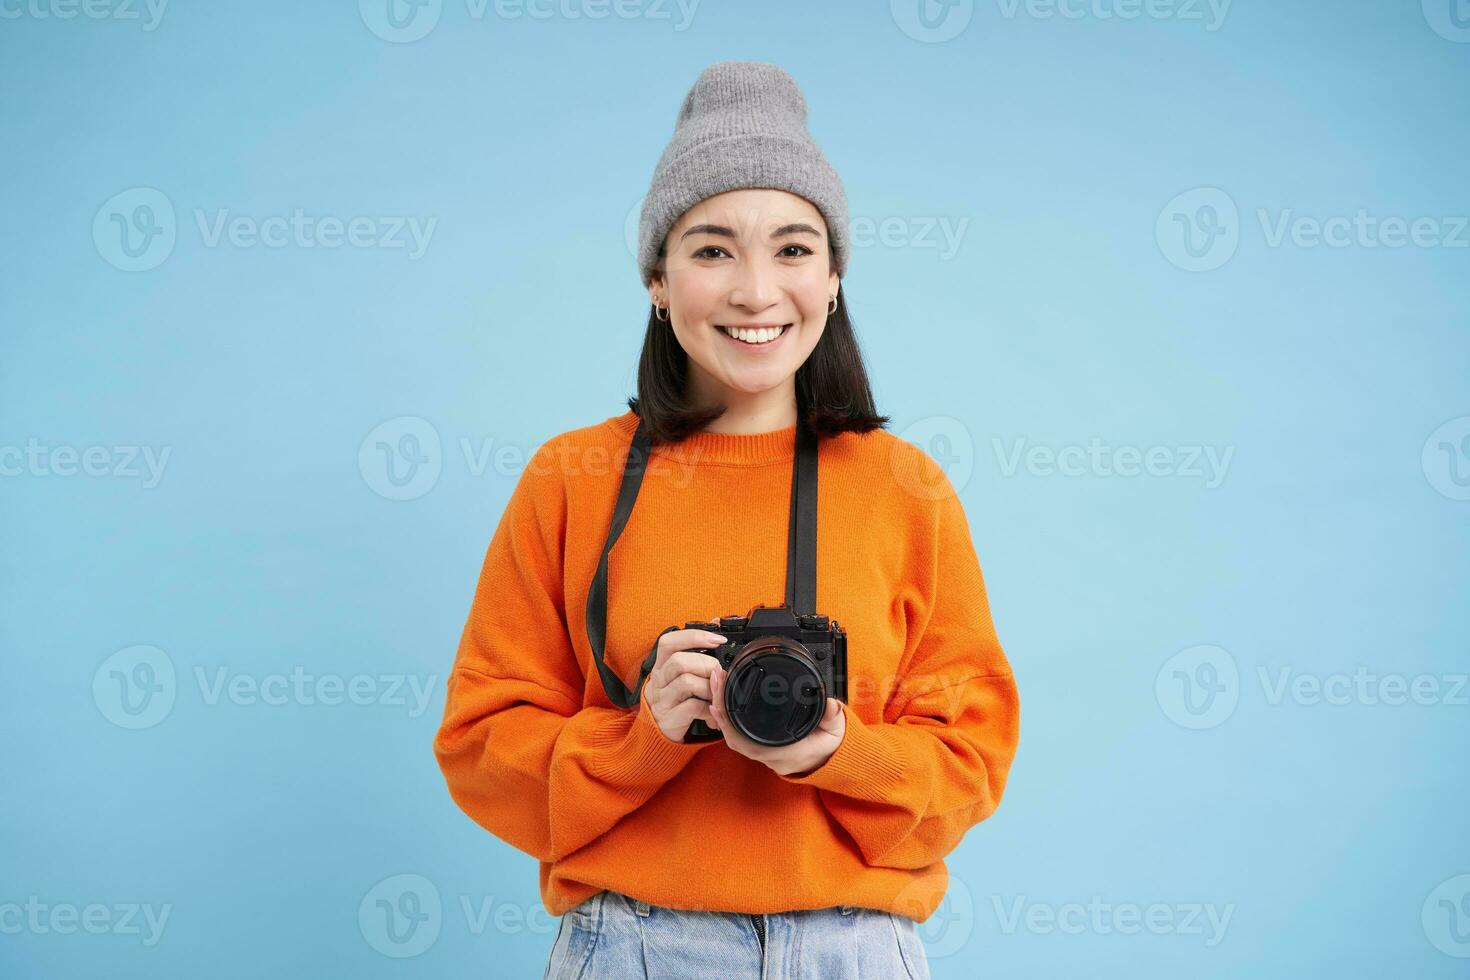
(742, 242)
(673, 854)
(745, 302)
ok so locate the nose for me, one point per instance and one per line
(755, 287)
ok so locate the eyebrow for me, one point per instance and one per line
(796, 228)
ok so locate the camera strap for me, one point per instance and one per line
(801, 552)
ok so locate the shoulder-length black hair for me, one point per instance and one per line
(832, 390)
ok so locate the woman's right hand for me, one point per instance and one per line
(677, 691)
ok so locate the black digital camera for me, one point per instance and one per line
(781, 662)
(781, 668)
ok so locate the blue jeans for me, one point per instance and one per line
(613, 937)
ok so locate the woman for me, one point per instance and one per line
(669, 857)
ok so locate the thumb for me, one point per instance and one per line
(833, 712)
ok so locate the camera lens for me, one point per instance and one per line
(775, 694)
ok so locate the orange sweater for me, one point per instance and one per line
(533, 750)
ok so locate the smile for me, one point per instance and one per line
(756, 338)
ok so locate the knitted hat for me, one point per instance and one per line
(743, 124)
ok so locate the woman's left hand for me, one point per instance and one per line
(796, 759)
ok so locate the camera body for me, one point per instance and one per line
(780, 667)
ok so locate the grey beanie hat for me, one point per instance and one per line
(743, 124)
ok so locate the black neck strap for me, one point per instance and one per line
(801, 552)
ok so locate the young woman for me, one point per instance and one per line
(730, 857)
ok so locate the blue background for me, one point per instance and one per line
(1336, 539)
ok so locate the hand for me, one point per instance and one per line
(796, 759)
(678, 688)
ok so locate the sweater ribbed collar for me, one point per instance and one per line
(752, 449)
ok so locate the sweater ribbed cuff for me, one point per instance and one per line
(640, 753)
(864, 766)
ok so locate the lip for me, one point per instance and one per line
(765, 348)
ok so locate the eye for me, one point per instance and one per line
(708, 248)
(804, 251)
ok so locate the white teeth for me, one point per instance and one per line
(761, 336)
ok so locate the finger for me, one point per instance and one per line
(692, 686)
(831, 718)
(691, 638)
(670, 645)
(716, 698)
(690, 711)
(693, 662)
(685, 687)
(717, 708)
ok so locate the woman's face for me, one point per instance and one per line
(754, 256)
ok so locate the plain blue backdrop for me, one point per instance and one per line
(1177, 293)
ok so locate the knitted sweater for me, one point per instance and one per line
(532, 749)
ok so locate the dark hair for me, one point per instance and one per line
(832, 390)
